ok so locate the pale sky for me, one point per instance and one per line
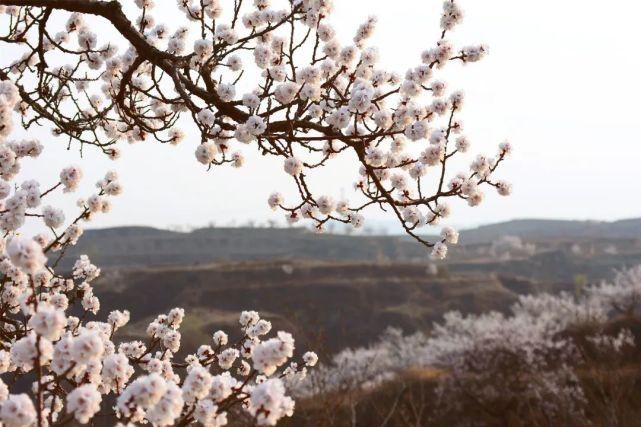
(561, 83)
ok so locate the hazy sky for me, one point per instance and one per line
(561, 82)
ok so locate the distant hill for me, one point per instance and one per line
(145, 246)
(543, 229)
(142, 246)
(339, 303)
(345, 288)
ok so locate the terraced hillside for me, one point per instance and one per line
(347, 288)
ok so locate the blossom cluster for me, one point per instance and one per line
(269, 74)
(51, 338)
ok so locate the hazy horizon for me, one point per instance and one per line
(375, 227)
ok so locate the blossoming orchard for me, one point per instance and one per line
(311, 98)
(526, 365)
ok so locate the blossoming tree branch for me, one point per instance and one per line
(314, 99)
(306, 99)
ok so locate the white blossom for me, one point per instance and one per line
(70, 177)
(84, 402)
(293, 166)
(268, 402)
(439, 251)
(18, 411)
(26, 254)
(48, 321)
